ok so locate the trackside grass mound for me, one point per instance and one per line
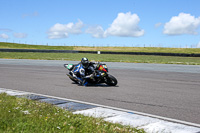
(26, 46)
(24, 115)
(113, 49)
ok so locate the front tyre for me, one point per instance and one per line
(71, 77)
(111, 80)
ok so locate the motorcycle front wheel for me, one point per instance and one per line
(72, 78)
(111, 80)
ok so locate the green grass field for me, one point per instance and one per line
(114, 49)
(19, 115)
(25, 46)
(103, 57)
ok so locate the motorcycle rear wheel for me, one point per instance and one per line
(111, 80)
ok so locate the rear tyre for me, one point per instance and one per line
(111, 80)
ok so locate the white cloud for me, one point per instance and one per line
(63, 30)
(182, 24)
(20, 35)
(34, 14)
(125, 25)
(158, 25)
(4, 36)
(5, 30)
(96, 31)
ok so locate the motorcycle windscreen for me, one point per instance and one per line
(70, 66)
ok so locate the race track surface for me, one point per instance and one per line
(171, 91)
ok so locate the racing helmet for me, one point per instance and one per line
(85, 62)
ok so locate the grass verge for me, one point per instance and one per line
(113, 49)
(26, 46)
(103, 57)
(24, 115)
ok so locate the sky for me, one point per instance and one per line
(125, 23)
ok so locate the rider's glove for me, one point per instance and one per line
(74, 75)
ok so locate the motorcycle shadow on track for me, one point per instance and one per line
(94, 85)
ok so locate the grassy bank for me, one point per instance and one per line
(25, 46)
(113, 49)
(104, 58)
(23, 115)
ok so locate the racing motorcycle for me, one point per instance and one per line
(100, 75)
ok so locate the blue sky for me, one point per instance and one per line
(138, 23)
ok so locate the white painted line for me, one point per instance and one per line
(100, 112)
(132, 119)
(14, 93)
(169, 127)
(125, 110)
(2, 91)
(149, 124)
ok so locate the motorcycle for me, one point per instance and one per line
(100, 75)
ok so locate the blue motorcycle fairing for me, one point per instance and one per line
(79, 69)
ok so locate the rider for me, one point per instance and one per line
(83, 71)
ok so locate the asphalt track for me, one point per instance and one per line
(171, 91)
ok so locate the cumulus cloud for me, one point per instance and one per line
(96, 31)
(20, 35)
(4, 36)
(63, 30)
(125, 25)
(182, 24)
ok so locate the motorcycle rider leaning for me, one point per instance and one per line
(83, 71)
